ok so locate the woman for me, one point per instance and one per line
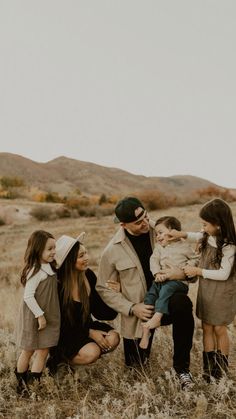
(82, 340)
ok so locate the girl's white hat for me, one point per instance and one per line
(63, 246)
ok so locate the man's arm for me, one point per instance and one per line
(174, 273)
(108, 272)
(178, 274)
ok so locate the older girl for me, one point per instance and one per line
(216, 300)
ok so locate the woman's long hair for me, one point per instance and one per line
(33, 254)
(67, 276)
(218, 213)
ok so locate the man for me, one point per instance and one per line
(125, 260)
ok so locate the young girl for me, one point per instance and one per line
(39, 317)
(216, 299)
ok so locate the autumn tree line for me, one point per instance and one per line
(78, 204)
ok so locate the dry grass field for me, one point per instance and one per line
(105, 389)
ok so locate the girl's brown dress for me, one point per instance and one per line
(28, 336)
(216, 300)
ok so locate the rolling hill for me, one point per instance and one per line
(65, 175)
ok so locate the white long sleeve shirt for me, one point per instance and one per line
(31, 286)
(227, 261)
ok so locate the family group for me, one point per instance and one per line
(144, 275)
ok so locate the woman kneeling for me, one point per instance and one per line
(82, 340)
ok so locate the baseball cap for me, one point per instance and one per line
(126, 210)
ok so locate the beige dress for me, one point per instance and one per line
(216, 300)
(28, 336)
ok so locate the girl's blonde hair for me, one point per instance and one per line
(33, 254)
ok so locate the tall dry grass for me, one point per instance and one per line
(105, 389)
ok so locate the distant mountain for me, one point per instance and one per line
(64, 175)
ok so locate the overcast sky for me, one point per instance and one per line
(146, 86)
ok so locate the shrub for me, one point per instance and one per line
(104, 211)
(2, 221)
(63, 212)
(94, 211)
(10, 182)
(39, 197)
(102, 199)
(42, 213)
(53, 197)
(11, 194)
(155, 199)
(86, 211)
(215, 192)
(113, 199)
(77, 203)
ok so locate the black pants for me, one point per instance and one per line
(181, 317)
(134, 355)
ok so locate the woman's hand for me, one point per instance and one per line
(100, 338)
(191, 271)
(41, 322)
(113, 285)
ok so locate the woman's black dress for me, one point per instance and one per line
(73, 336)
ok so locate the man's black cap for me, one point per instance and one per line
(126, 210)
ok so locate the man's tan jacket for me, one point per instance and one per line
(119, 262)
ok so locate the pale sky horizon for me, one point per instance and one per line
(145, 86)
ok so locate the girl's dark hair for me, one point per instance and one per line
(68, 274)
(218, 213)
(169, 222)
(33, 254)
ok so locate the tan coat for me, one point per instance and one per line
(119, 262)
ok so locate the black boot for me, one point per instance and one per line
(221, 365)
(209, 361)
(51, 364)
(33, 377)
(22, 379)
